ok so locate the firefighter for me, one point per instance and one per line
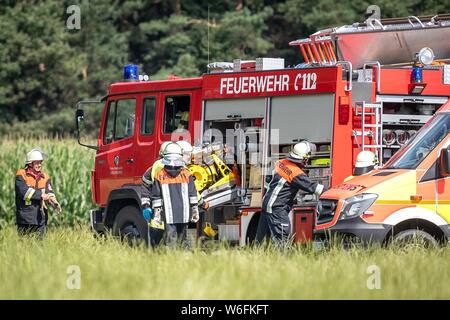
(365, 162)
(288, 177)
(155, 232)
(174, 197)
(182, 119)
(187, 150)
(33, 191)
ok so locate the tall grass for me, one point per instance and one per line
(69, 167)
(110, 270)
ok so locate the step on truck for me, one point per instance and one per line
(368, 86)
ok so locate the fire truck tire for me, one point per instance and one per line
(414, 236)
(130, 226)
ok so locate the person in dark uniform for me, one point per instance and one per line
(287, 179)
(174, 197)
(33, 190)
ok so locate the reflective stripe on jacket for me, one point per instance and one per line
(175, 195)
(29, 189)
(286, 181)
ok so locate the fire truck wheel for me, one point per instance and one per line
(129, 226)
(252, 228)
(413, 237)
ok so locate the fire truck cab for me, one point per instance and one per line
(353, 92)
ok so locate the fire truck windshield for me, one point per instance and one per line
(418, 148)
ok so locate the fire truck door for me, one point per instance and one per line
(115, 161)
(146, 142)
(303, 117)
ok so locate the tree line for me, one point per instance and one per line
(46, 65)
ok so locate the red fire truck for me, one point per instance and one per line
(368, 86)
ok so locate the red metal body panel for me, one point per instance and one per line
(270, 83)
(304, 224)
(396, 81)
(148, 86)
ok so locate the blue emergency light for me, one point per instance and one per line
(131, 72)
(417, 76)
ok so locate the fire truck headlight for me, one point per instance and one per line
(357, 205)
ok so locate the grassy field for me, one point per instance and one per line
(32, 269)
(106, 269)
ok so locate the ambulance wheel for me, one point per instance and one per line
(414, 237)
(130, 226)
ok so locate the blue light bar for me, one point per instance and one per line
(131, 72)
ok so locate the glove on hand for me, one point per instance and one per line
(195, 214)
(156, 222)
(55, 204)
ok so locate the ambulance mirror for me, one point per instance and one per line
(444, 162)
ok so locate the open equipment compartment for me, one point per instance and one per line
(402, 117)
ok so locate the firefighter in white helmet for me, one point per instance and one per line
(174, 197)
(287, 179)
(187, 149)
(33, 191)
(187, 158)
(365, 162)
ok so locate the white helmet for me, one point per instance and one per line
(300, 152)
(163, 148)
(173, 155)
(172, 149)
(185, 146)
(35, 155)
(365, 162)
(365, 159)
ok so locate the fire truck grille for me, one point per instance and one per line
(326, 210)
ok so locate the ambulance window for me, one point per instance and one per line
(148, 116)
(176, 113)
(119, 120)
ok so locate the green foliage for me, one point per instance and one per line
(46, 68)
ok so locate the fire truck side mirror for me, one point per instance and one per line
(80, 117)
(444, 162)
(80, 122)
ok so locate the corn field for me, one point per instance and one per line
(68, 165)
